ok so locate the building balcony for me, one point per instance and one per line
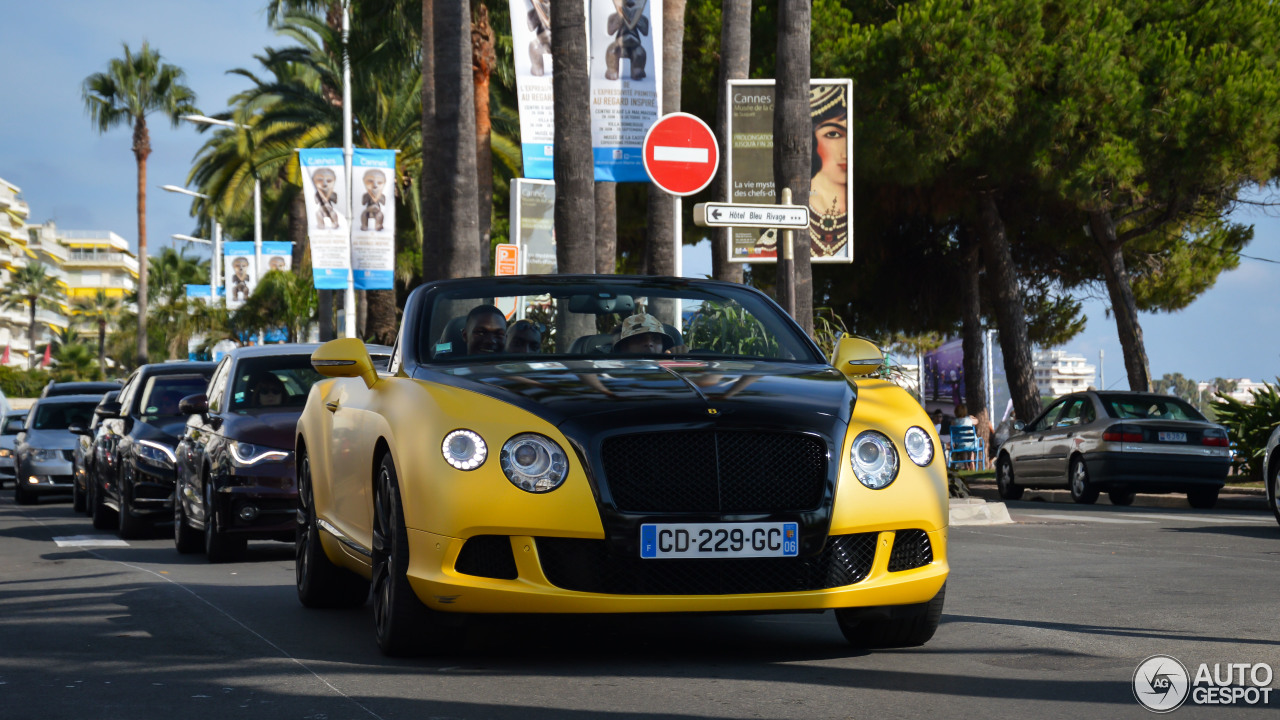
(88, 259)
(89, 239)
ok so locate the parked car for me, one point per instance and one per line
(53, 389)
(42, 451)
(1271, 472)
(738, 472)
(235, 461)
(82, 456)
(15, 421)
(135, 471)
(1119, 443)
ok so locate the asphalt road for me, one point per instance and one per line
(1045, 618)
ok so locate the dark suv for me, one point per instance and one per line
(135, 466)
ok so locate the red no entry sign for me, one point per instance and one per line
(681, 154)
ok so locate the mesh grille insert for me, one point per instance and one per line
(487, 556)
(911, 549)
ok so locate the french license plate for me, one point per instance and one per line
(719, 540)
(1173, 437)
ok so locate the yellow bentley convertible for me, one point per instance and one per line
(610, 444)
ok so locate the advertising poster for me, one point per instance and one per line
(751, 168)
(327, 226)
(626, 84)
(373, 235)
(277, 255)
(533, 206)
(200, 293)
(240, 272)
(531, 39)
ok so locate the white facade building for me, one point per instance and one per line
(1059, 372)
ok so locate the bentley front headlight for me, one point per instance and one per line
(874, 459)
(534, 463)
(464, 449)
(919, 446)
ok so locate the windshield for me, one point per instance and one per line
(1155, 407)
(607, 320)
(162, 394)
(281, 381)
(62, 415)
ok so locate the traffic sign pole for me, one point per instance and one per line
(787, 264)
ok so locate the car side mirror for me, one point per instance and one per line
(345, 357)
(78, 429)
(194, 405)
(856, 357)
(1019, 426)
(108, 410)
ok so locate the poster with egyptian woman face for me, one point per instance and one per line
(750, 163)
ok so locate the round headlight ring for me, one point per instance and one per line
(874, 459)
(919, 446)
(464, 449)
(534, 463)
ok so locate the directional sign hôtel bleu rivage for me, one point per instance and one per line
(744, 215)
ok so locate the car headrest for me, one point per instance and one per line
(451, 341)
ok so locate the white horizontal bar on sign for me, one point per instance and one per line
(667, 153)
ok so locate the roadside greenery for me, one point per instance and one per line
(1250, 426)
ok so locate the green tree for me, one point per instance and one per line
(101, 310)
(32, 288)
(132, 88)
(280, 299)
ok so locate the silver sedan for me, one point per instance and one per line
(1271, 472)
(1119, 443)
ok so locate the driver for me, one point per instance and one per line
(268, 391)
(485, 331)
(642, 334)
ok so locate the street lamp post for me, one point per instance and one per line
(215, 265)
(349, 298)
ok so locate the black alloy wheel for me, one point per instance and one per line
(103, 517)
(896, 626)
(402, 621)
(1004, 480)
(77, 496)
(130, 527)
(185, 538)
(1273, 488)
(1121, 497)
(1082, 491)
(217, 546)
(1203, 498)
(20, 496)
(321, 584)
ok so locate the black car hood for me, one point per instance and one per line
(590, 396)
(275, 428)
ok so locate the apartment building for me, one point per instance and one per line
(1059, 372)
(98, 260)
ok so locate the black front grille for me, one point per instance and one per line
(715, 471)
(911, 549)
(487, 556)
(588, 566)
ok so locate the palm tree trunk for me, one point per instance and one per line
(573, 164)
(735, 63)
(793, 140)
(1010, 314)
(660, 252)
(606, 228)
(429, 196)
(455, 165)
(31, 336)
(975, 379)
(102, 346)
(381, 326)
(1123, 304)
(482, 61)
(142, 150)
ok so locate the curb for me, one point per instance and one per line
(976, 511)
(1247, 499)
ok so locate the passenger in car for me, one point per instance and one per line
(485, 331)
(268, 391)
(642, 334)
(524, 337)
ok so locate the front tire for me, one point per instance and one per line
(77, 498)
(1004, 480)
(1203, 498)
(102, 515)
(129, 527)
(185, 538)
(402, 622)
(1082, 491)
(904, 626)
(321, 584)
(21, 496)
(1122, 498)
(217, 546)
(1273, 489)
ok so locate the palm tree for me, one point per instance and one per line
(132, 88)
(31, 287)
(281, 298)
(100, 309)
(455, 235)
(793, 143)
(735, 63)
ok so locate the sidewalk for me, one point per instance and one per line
(1231, 498)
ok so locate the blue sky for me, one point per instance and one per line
(83, 180)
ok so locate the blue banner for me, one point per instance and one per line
(373, 226)
(325, 190)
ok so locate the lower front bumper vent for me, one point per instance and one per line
(911, 549)
(589, 566)
(487, 556)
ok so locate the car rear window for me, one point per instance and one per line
(61, 416)
(282, 381)
(1154, 407)
(162, 394)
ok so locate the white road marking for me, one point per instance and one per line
(89, 541)
(1086, 518)
(680, 154)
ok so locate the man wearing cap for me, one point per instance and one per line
(642, 334)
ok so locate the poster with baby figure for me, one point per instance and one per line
(373, 232)
(240, 272)
(325, 191)
(626, 84)
(750, 166)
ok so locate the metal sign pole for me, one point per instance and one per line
(787, 265)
